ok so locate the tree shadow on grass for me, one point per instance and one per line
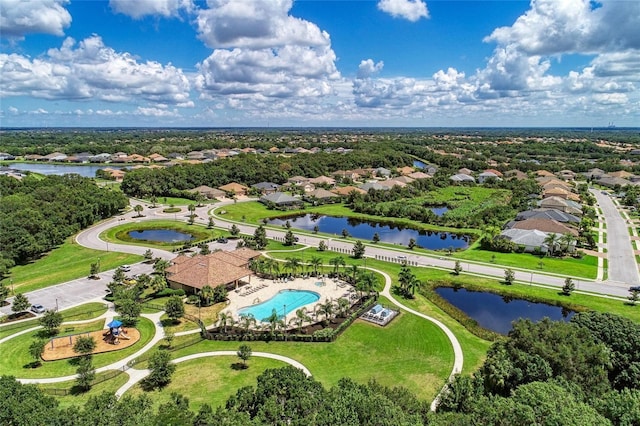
(239, 366)
(32, 364)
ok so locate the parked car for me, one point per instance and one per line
(38, 309)
(125, 268)
(222, 240)
(634, 288)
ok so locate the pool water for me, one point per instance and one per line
(284, 302)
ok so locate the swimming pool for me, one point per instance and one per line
(284, 302)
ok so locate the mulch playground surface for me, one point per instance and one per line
(62, 347)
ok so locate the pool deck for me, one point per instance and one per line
(332, 289)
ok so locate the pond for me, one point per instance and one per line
(85, 170)
(439, 210)
(496, 312)
(388, 232)
(160, 235)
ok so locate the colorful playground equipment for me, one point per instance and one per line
(115, 333)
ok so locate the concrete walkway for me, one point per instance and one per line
(458, 357)
(136, 376)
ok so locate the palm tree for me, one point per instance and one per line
(411, 286)
(328, 309)
(354, 274)
(551, 241)
(367, 282)
(343, 306)
(160, 266)
(275, 267)
(246, 321)
(300, 318)
(272, 322)
(315, 262)
(223, 320)
(206, 294)
(293, 264)
(567, 240)
(158, 283)
(337, 262)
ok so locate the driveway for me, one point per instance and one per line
(622, 265)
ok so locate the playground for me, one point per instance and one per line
(62, 347)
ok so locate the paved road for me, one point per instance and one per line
(622, 265)
(340, 245)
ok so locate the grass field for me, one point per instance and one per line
(118, 233)
(68, 262)
(78, 313)
(409, 351)
(16, 359)
(587, 267)
(209, 380)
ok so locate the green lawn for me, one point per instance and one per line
(68, 262)
(409, 351)
(587, 267)
(118, 234)
(15, 353)
(110, 386)
(77, 313)
(213, 388)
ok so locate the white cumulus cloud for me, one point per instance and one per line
(91, 70)
(367, 68)
(21, 17)
(411, 10)
(139, 8)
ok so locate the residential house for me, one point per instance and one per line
(208, 192)
(376, 186)
(552, 214)
(495, 172)
(610, 182)
(298, 180)
(544, 225)
(344, 191)
(323, 180)
(567, 206)
(235, 188)
(280, 199)
(566, 174)
(485, 176)
(55, 156)
(321, 195)
(419, 175)
(382, 172)
(560, 192)
(515, 174)
(465, 171)
(157, 158)
(460, 177)
(406, 170)
(530, 239)
(266, 187)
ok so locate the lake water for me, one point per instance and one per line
(388, 232)
(160, 235)
(495, 312)
(85, 170)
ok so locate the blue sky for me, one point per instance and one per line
(219, 63)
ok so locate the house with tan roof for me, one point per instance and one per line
(544, 173)
(560, 192)
(544, 225)
(208, 192)
(515, 174)
(466, 171)
(157, 158)
(419, 175)
(494, 171)
(406, 170)
(567, 206)
(344, 191)
(621, 174)
(323, 180)
(235, 188)
(191, 274)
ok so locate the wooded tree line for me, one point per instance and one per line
(584, 372)
(36, 215)
(249, 169)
